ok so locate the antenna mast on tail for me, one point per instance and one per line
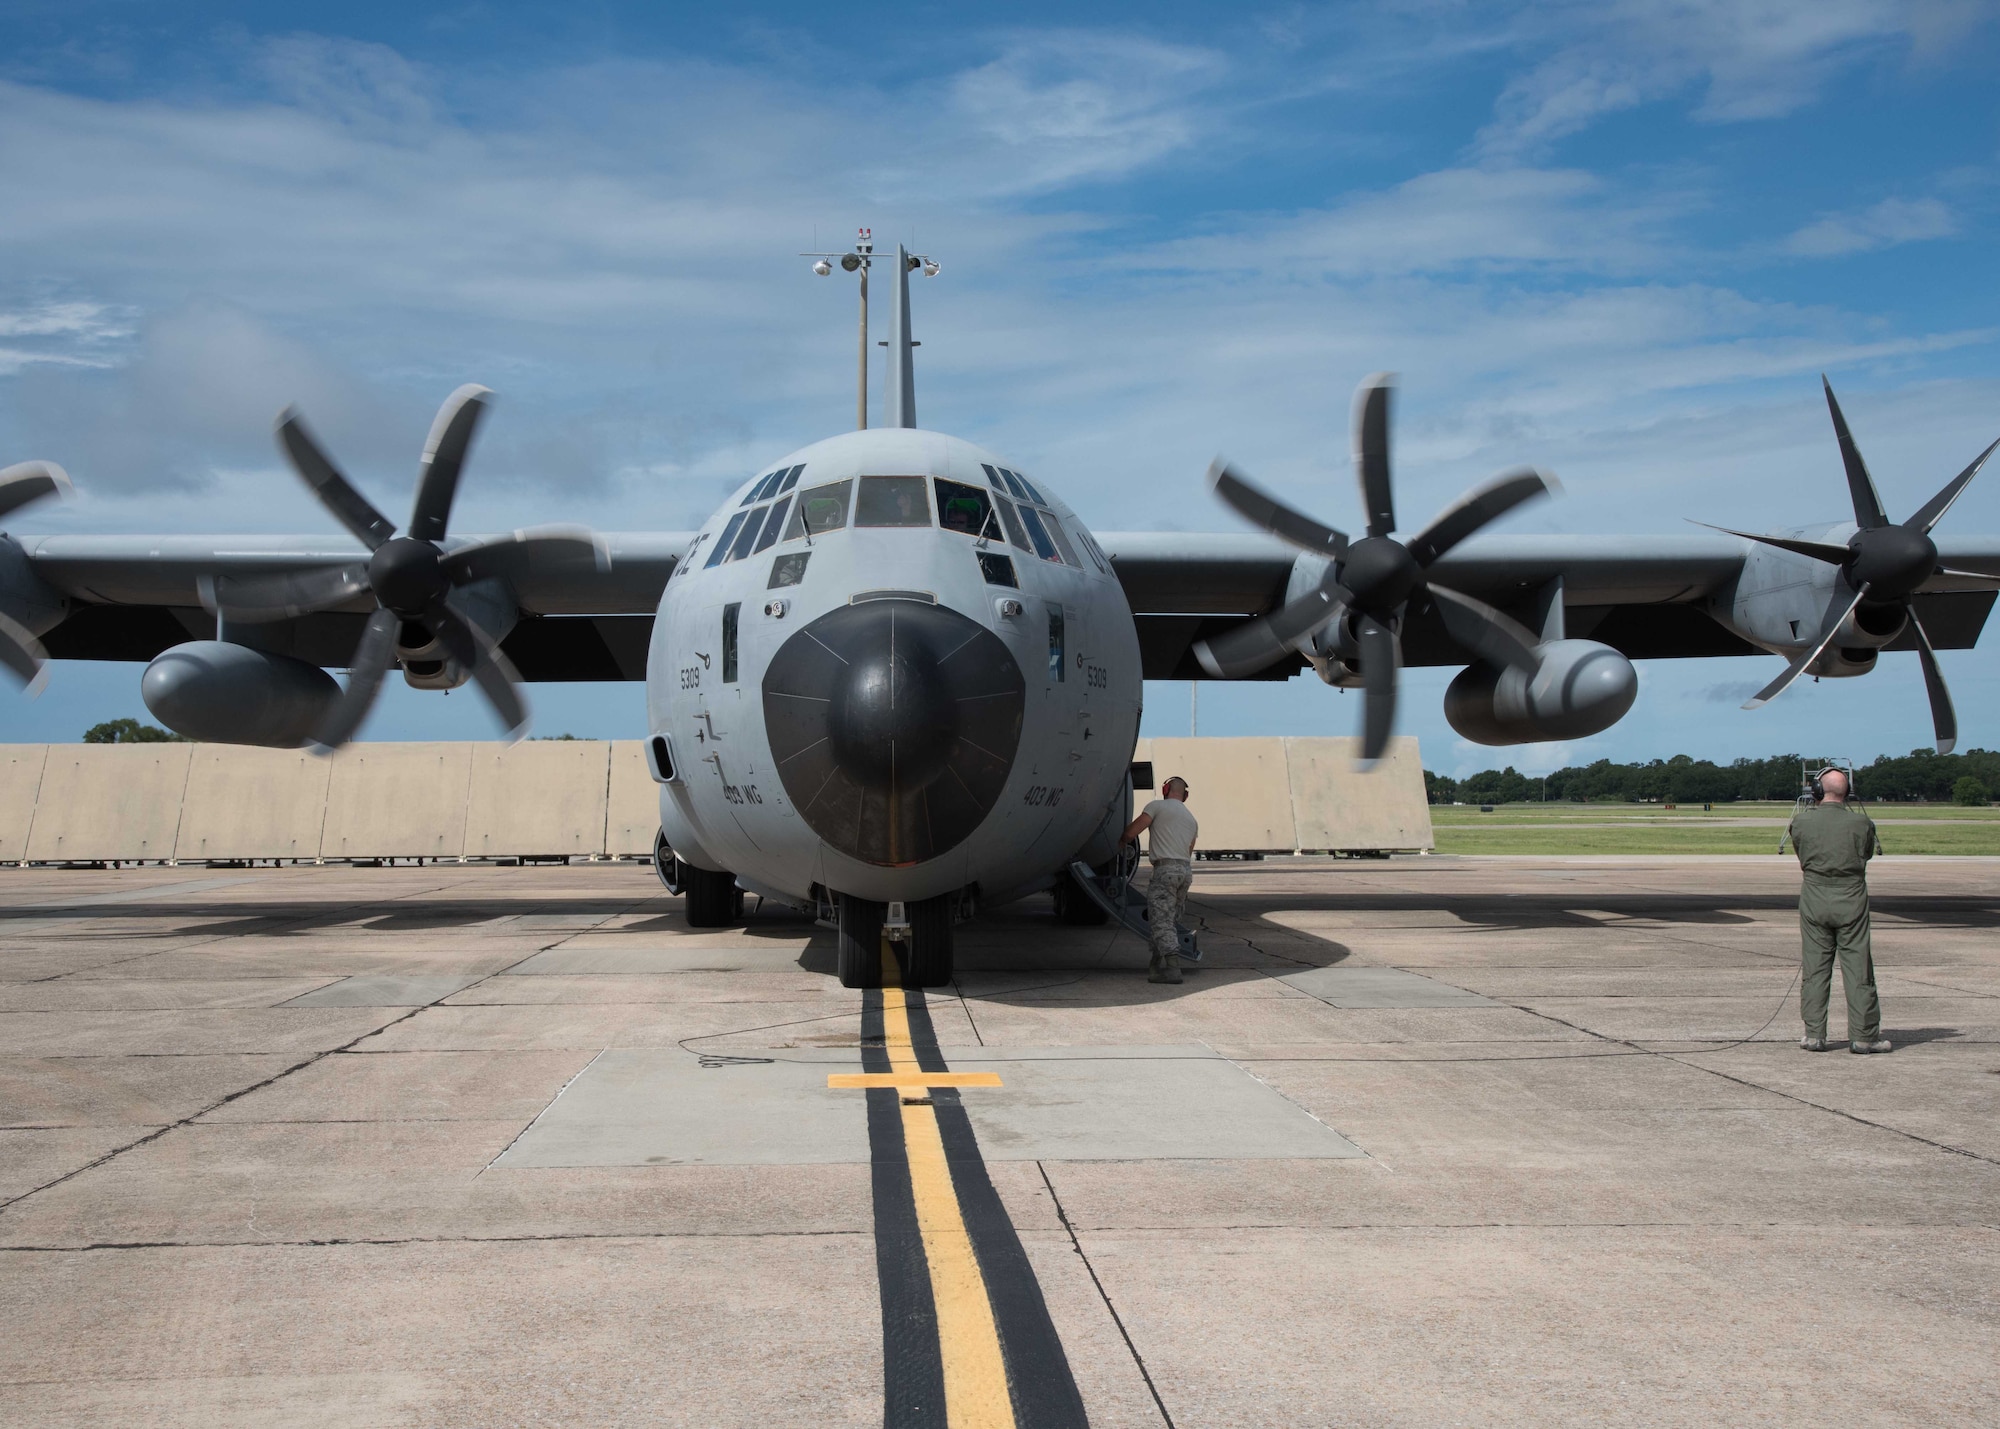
(902, 400)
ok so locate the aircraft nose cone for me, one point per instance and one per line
(893, 718)
(893, 725)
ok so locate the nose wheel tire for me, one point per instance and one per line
(860, 941)
(923, 961)
(713, 899)
(928, 956)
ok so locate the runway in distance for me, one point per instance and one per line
(894, 678)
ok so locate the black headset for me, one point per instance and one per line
(1813, 783)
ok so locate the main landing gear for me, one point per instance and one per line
(712, 899)
(877, 953)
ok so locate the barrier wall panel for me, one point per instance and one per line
(20, 783)
(1338, 807)
(397, 801)
(543, 797)
(109, 801)
(633, 818)
(1239, 789)
(253, 803)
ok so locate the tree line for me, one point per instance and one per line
(1922, 775)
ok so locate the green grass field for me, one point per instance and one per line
(1727, 828)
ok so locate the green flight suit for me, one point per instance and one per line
(1834, 843)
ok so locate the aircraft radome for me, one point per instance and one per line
(896, 670)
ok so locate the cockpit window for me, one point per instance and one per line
(748, 535)
(772, 525)
(1038, 533)
(893, 501)
(1027, 486)
(820, 508)
(966, 509)
(1014, 484)
(722, 543)
(1062, 542)
(1014, 532)
(759, 489)
(791, 480)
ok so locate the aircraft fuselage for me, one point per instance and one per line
(892, 668)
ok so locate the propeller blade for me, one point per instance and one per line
(1496, 638)
(1837, 610)
(1257, 644)
(1371, 452)
(520, 551)
(444, 457)
(336, 493)
(372, 659)
(1868, 512)
(480, 654)
(1819, 550)
(1381, 657)
(1263, 510)
(31, 481)
(282, 595)
(1944, 720)
(1479, 506)
(23, 655)
(1932, 510)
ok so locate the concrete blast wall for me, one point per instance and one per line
(1295, 793)
(103, 802)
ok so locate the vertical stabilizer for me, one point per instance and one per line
(902, 401)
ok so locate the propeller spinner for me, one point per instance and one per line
(412, 576)
(1882, 564)
(1374, 580)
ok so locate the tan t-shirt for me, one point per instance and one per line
(1173, 830)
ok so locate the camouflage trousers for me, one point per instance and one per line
(1166, 896)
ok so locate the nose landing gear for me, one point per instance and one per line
(918, 956)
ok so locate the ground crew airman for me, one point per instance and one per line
(1171, 849)
(1834, 841)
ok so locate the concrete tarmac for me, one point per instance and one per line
(1426, 1141)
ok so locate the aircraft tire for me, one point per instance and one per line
(860, 959)
(713, 899)
(929, 961)
(1074, 906)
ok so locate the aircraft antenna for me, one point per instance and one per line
(902, 382)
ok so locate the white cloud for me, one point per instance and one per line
(1884, 225)
(1749, 59)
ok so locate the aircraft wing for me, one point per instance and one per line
(1645, 596)
(131, 597)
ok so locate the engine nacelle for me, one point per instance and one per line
(221, 693)
(25, 598)
(1579, 688)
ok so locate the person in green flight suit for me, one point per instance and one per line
(1834, 841)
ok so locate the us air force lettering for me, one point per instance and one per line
(894, 678)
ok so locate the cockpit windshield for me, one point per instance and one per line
(967, 510)
(893, 501)
(820, 509)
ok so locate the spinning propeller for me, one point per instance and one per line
(413, 578)
(20, 651)
(1882, 565)
(1376, 579)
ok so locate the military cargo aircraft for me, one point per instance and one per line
(894, 677)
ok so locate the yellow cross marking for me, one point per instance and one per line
(913, 1079)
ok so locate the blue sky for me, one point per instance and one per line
(1619, 240)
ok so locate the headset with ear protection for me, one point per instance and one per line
(1813, 778)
